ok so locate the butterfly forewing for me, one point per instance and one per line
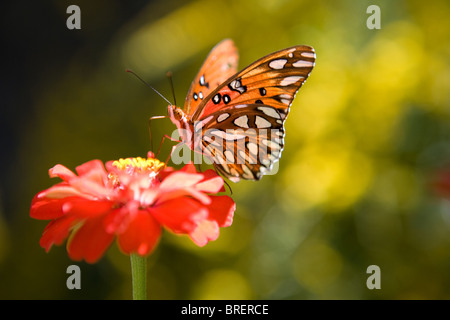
(220, 64)
(272, 80)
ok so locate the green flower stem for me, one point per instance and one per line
(139, 276)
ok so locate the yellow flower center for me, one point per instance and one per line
(139, 165)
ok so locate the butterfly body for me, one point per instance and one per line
(236, 119)
(183, 123)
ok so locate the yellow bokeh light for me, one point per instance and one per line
(222, 284)
(317, 266)
(330, 174)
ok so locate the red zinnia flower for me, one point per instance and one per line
(131, 200)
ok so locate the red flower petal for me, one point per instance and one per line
(91, 188)
(180, 179)
(117, 220)
(56, 232)
(212, 183)
(61, 190)
(90, 241)
(166, 195)
(86, 209)
(190, 167)
(94, 168)
(142, 234)
(163, 174)
(61, 172)
(45, 209)
(222, 210)
(179, 215)
(205, 231)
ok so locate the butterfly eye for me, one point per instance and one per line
(178, 113)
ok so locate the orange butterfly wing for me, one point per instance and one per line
(257, 100)
(220, 64)
(272, 80)
(246, 142)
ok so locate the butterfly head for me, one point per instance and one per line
(176, 113)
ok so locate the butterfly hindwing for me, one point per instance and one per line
(243, 142)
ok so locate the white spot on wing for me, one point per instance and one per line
(271, 144)
(242, 155)
(303, 64)
(247, 172)
(262, 123)
(271, 112)
(219, 159)
(291, 52)
(208, 139)
(229, 135)
(277, 64)
(285, 98)
(229, 155)
(266, 163)
(290, 80)
(252, 148)
(275, 155)
(233, 172)
(308, 54)
(242, 121)
(278, 140)
(222, 117)
(226, 169)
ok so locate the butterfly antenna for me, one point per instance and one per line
(169, 75)
(133, 73)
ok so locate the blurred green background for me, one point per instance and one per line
(365, 136)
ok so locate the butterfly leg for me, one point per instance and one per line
(150, 129)
(171, 139)
(173, 147)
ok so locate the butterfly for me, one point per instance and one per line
(236, 119)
